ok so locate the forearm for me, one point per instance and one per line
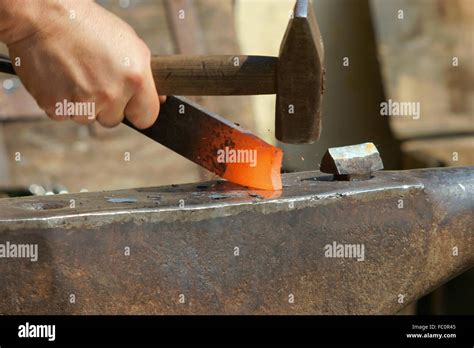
(22, 18)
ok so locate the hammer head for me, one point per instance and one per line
(300, 79)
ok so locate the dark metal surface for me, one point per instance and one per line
(187, 129)
(300, 79)
(183, 241)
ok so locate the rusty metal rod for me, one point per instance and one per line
(202, 137)
(217, 248)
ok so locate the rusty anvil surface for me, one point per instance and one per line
(183, 241)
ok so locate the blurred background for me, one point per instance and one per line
(422, 54)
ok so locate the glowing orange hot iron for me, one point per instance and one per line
(216, 144)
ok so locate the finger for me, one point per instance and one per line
(81, 119)
(53, 114)
(51, 108)
(112, 115)
(76, 109)
(143, 108)
(84, 112)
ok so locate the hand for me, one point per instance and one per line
(77, 52)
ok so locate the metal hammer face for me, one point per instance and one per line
(300, 79)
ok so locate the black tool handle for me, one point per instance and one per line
(6, 65)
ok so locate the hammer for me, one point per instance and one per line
(296, 76)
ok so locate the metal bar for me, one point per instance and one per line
(6, 65)
(217, 248)
(204, 137)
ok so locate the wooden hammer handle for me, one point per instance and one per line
(214, 75)
(206, 75)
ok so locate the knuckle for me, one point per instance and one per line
(145, 50)
(146, 53)
(105, 96)
(136, 80)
